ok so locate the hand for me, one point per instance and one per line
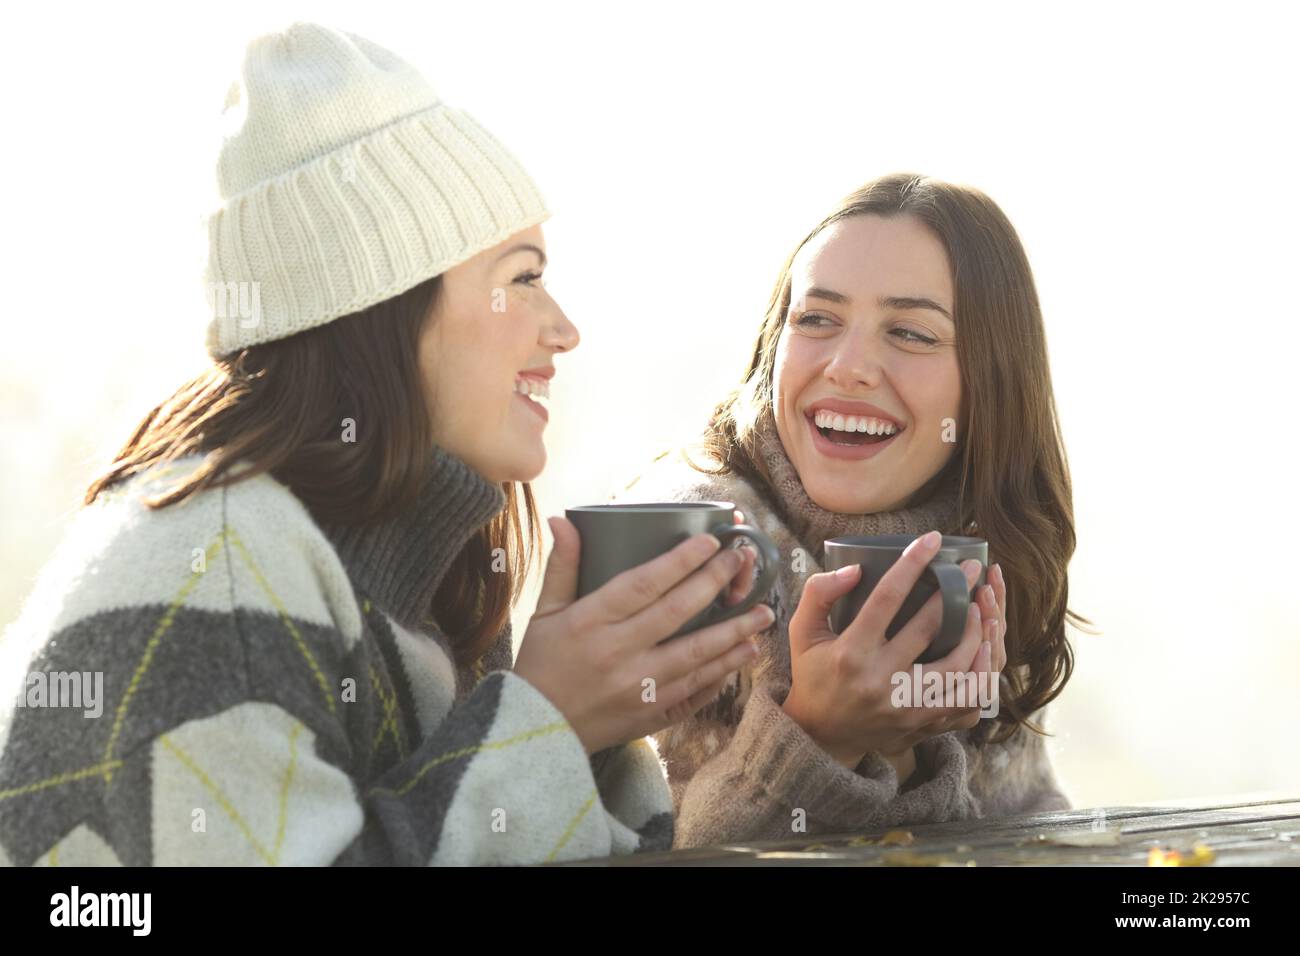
(904, 764)
(743, 582)
(993, 607)
(993, 604)
(590, 656)
(841, 685)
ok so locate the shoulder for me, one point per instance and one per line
(682, 474)
(252, 544)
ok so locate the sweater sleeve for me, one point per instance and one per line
(502, 780)
(629, 777)
(768, 780)
(505, 780)
(228, 735)
(1017, 776)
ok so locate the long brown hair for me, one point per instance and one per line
(279, 408)
(1014, 479)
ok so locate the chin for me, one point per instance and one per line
(844, 501)
(526, 469)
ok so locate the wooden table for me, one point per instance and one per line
(1261, 829)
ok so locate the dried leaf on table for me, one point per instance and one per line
(1201, 855)
(1085, 838)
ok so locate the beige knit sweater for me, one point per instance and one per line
(742, 770)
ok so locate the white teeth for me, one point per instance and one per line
(853, 423)
(533, 387)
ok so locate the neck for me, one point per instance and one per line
(400, 563)
(933, 507)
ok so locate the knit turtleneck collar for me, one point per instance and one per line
(813, 524)
(400, 563)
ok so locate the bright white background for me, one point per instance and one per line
(1145, 152)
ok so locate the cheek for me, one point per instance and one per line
(463, 367)
(932, 392)
(795, 366)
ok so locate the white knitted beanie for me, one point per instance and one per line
(347, 182)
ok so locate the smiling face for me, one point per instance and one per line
(486, 357)
(868, 353)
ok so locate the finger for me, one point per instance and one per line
(999, 584)
(961, 660)
(991, 612)
(688, 694)
(743, 582)
(739, 516)
(636, 589)
(710, 693)
(1000, 590)
(917, 634)
(820, 592)
(689, 708)
(683, 602)
(995, 670)
(950, 718)
(560, 583)
(984, 682)
(962, 657)
(688, 657)
(868, 629)
(1000, 648)
(986, 679)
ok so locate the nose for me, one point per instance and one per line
(559, 333)
(854, 364)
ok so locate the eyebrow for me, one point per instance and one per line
(523, 247)
(887, 302)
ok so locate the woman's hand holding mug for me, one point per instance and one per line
(841, 684)
(591, 656)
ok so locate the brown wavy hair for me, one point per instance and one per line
(1010, 462)
(279, 407)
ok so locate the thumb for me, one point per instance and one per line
(560, 584)
(820, 592)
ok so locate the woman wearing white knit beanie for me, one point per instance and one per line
(295, 579)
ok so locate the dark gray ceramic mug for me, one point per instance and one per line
(616, 538)
(878, 553)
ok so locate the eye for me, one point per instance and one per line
(809, 320)
(529, 278)
(907, 335)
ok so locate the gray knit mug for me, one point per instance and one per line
(616, 538)
(878, 553)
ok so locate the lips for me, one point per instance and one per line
(531, 385)
(536, 407)
(846, 407)
(846, 452)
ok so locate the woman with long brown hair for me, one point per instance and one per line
(279, 632)
(899, 385)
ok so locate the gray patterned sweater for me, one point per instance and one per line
(223, 682)
(741, 770)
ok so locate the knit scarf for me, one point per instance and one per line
(812, 524)
(781, 508)
(779, 505)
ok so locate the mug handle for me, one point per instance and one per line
(956, 605)
(769, 559)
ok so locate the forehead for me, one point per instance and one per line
(482, 265)
(866, 257)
